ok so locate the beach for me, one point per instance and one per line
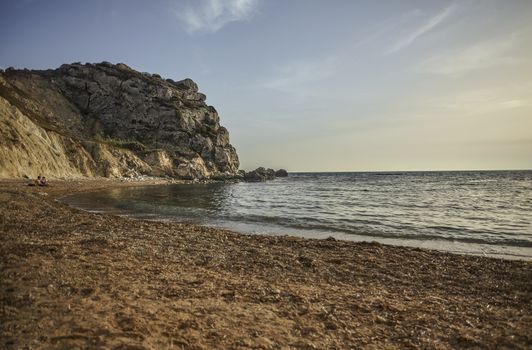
(73, 279)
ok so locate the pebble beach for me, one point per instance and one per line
(73, 279)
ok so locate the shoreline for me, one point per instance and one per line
(74, 278)
(459, 246)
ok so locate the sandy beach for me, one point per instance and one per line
(72, 279)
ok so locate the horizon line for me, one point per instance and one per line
(402, 171)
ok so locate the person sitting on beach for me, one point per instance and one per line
(36, 182)
(43, 181)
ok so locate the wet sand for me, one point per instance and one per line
(72, 279)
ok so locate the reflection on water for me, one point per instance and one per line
(443, 209)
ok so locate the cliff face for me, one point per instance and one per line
(108, 120)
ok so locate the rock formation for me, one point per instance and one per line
(259, 174)
(281, 173)
(109, 120)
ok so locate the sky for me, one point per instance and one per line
(317, 85)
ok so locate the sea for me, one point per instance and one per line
(470, 212)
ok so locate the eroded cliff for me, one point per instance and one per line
(109, 120)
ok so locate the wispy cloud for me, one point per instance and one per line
(486, 54)
(295, 76)
(430, 24)
(209, 16)
(480, 101)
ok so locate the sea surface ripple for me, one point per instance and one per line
(486, 212)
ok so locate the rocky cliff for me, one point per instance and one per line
(109, 120)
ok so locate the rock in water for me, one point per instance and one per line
(109, 120)
(281, 173)
(259, 174)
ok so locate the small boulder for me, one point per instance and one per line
(187, 84)
(281, 173)
(253, 176)
(259, 174)
(123, 67)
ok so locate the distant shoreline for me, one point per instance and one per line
(97, 279)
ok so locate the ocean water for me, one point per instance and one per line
(475, 212)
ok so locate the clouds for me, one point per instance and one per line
(481, 101)
(415, 83)
(209, 16)
(294, 76)
(426, 27)
(485, 54)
